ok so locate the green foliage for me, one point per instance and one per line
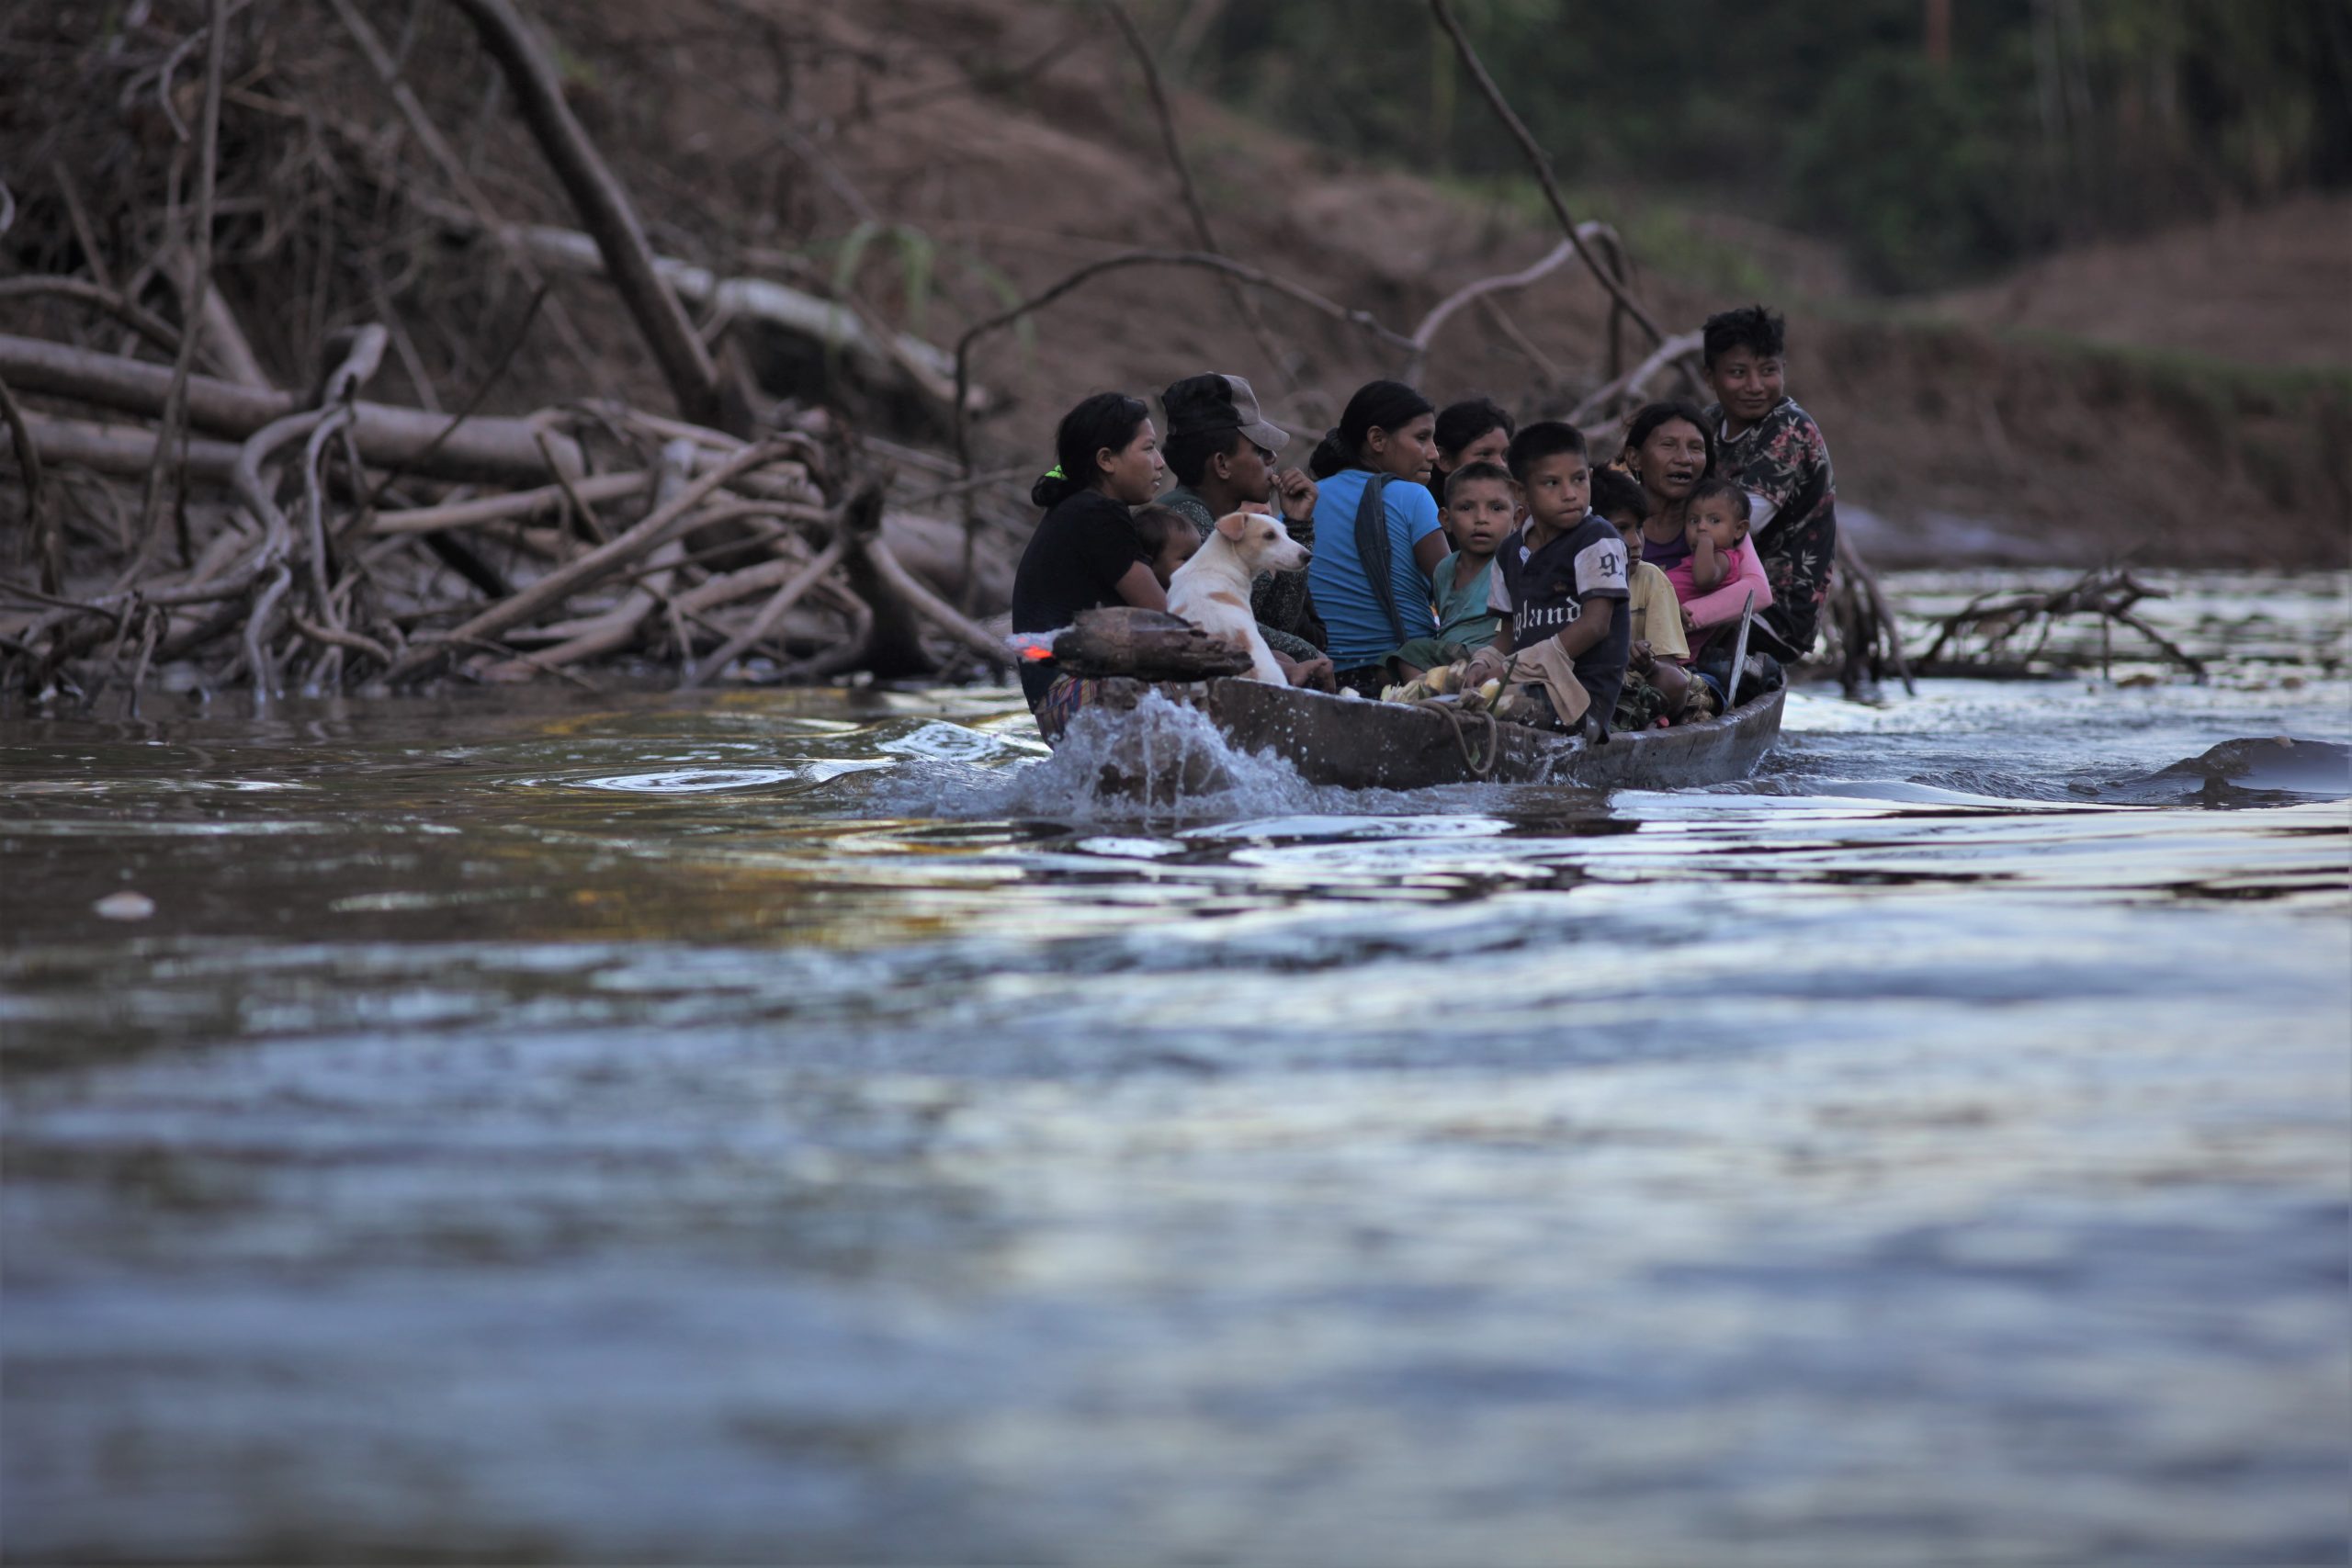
(1902, 161)
(918, 259)
(2053, 120)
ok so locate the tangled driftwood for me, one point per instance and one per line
(318, 538)
(1983, 635)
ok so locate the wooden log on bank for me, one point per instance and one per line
(123, 450)
(481, 447)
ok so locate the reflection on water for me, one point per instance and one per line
(781, 1126)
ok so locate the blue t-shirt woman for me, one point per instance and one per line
(1351, 612)
(1387, 429)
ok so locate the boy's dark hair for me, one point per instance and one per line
(1708, 489)
(1474, 473)
(1544, 438)
(1155, 522)
(1461, 424)
(1106, 419)
(1187, 456)
(1615, 493)
(1750, 326)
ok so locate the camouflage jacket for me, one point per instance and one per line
(1783, 459)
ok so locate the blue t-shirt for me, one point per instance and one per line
(1343, 596)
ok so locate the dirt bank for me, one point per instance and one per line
(1973, 431)
(2270, 288)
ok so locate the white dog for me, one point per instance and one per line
(1212, 589)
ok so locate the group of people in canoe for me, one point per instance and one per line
(1453, 552)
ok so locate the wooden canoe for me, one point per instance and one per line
(1368, 745)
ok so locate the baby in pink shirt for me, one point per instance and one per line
(1714, 580)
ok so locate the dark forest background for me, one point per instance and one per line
(1936, 140)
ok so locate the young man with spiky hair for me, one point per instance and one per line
(1773, 450)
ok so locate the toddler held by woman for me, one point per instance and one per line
(1713, 580)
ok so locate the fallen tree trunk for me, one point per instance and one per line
(481, 447)
(921, 366)
(120, 449)
(893, 639)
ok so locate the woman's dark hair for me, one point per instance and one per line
(1377, 405)
(1187, 456)
(1750, 326)
(1614, 491)
(1645, 425)
(1461, 424)
(1706, 488)
(1106, 419)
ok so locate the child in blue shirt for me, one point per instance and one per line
(1481, 509)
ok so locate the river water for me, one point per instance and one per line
(807, 1126)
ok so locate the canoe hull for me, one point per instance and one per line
(1367, 745)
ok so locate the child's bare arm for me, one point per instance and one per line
(1706, 565)
(1586, 630)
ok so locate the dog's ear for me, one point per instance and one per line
(1234, 526)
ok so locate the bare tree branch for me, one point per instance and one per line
(604, 212)
(155, 329)
(47, 544)
(582, 570)
(1443, 11)
(1444, 309)
(763, 621)
(119, 449)
(453, 169)
(1527, 346)
(151, 506)
(1158, 92)
(1631, 383)
(1255, 276)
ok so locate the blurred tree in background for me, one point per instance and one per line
(1935, 139)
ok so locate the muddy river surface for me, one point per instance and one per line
(809, 1126)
